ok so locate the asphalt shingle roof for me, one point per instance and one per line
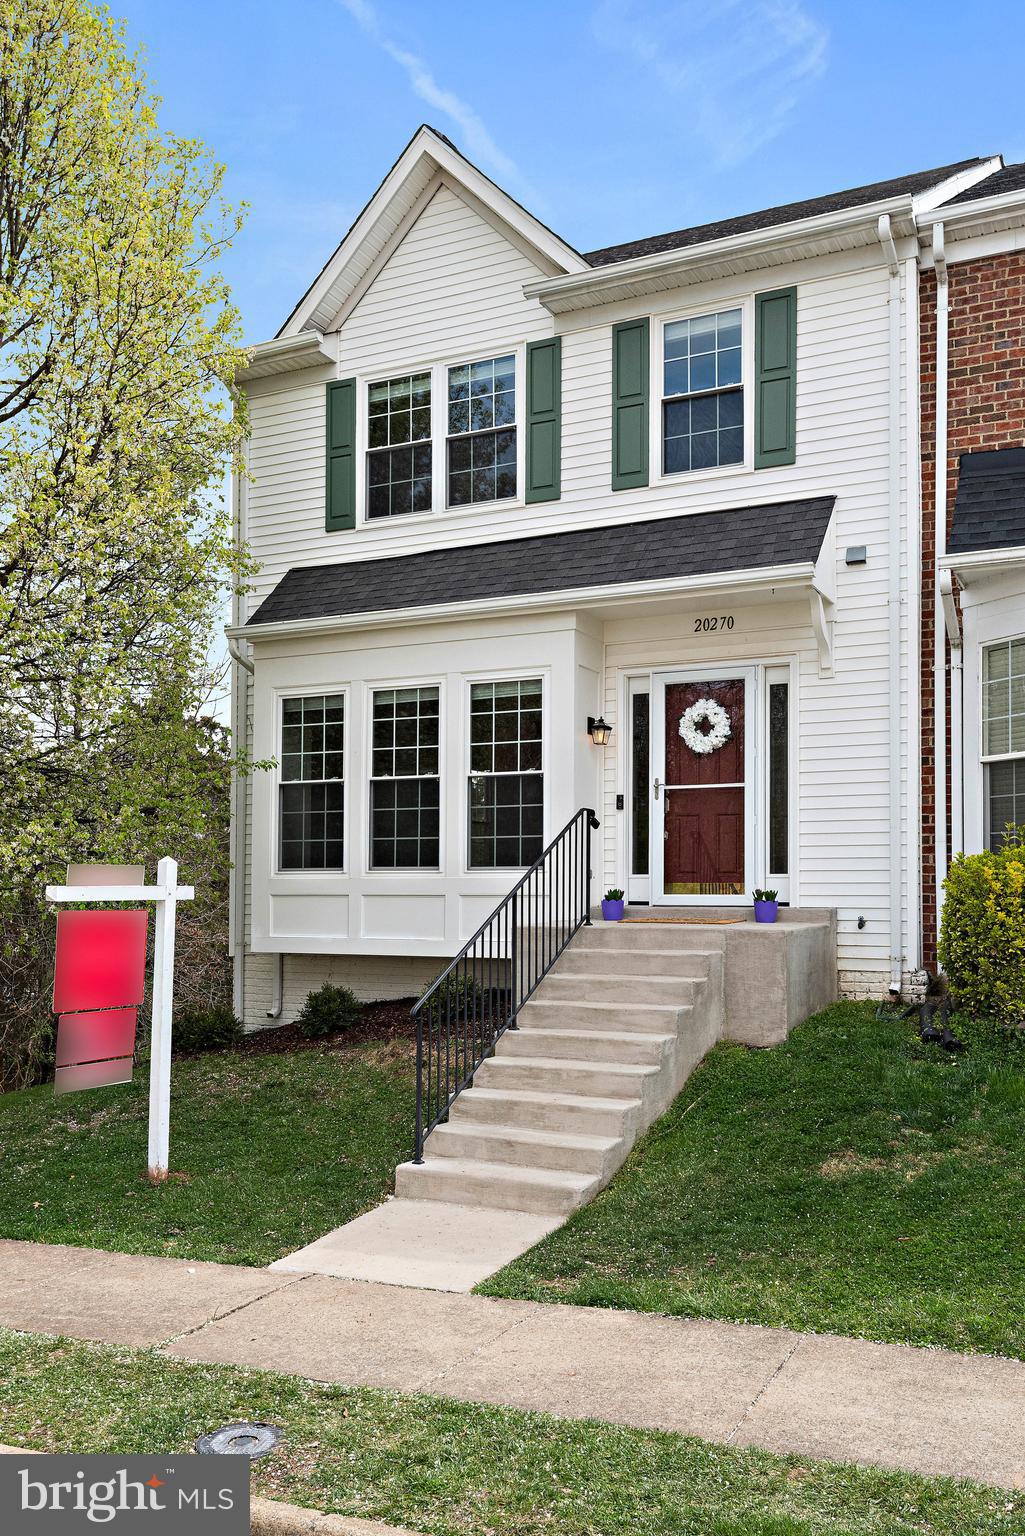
(989, 510)
(1010, 178)
(786, 213)
(744, 538)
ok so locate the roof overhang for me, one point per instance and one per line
(425, 156)
(983, 564)
(798, 577)
(844, 230)
(813, 581)
(285, 354)
(983, 216)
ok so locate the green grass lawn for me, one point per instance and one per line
(455, 1469)
(267, 1153)
(851, 1181)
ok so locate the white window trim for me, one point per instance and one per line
(517, 674)
(657, 476)
(308, 876)
(778, 672)
(987, 759)
(438, 369)
(383, 685)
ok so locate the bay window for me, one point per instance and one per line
(505, 792)
(311, 793)
(405, 783)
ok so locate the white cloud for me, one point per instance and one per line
(736, 67)
(476, 140)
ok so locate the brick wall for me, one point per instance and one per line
(986, 409)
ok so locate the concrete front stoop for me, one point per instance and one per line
(601, 1050)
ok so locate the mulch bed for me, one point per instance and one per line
(378, 1021)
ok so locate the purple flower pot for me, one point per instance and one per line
(766, 911)
(612, 911)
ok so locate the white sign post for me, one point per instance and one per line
(165, 895)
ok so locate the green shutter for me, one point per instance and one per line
(775, 377)
(544, 420)
(341, 456)
(629, 405)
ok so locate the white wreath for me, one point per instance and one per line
(717, 718)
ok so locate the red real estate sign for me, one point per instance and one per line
(98, 985)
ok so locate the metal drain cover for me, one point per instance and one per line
(250, 1440)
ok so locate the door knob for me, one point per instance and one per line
(657, 787)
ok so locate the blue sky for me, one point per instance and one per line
(610, 119)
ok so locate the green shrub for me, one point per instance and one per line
(982, 942)
(204, 1029)
(327, 1011)
(455, 999)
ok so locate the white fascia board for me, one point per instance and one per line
(794, 241)
(285, 354)
(965, 219)
(981, 563)
(793, 577)
(423, 157)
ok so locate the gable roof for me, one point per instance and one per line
(989, 511)
(427, 154)
(705, 543)
(786, 213)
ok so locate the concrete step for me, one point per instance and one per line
(520, 1147)
(677, 936)
(632, 1018)
(547, 1074)
(572, 1113)
(545, 1190)
(586, 959)
(607, 988)
(594, 1045)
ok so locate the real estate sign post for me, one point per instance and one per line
(98, 984)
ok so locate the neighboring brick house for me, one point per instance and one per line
(972, 295)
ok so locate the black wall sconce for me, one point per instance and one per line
(598, 731)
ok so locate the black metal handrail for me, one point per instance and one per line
(479, 995)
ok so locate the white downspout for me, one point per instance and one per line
(239, 690)
(895, 721)
(953, 627)
(940, 544)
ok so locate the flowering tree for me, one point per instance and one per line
(118, 348)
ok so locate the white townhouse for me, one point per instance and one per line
(517, 510)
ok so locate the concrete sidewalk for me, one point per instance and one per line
(926, 1411)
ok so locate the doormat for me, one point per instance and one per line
(699, 922)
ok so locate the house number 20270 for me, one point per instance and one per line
(708, 626)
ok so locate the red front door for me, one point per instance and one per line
(704, 793)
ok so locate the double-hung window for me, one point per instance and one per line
(702, 393)
(1003, 737)
(311, 796)
(399, 446)
(404, 783)
(505, 798)
(482, 431)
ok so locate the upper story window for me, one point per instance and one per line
(702, 393)
(482, 431)
(399, 444)
(1003, 737)
(311, 808)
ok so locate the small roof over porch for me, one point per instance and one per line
(779, 544)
